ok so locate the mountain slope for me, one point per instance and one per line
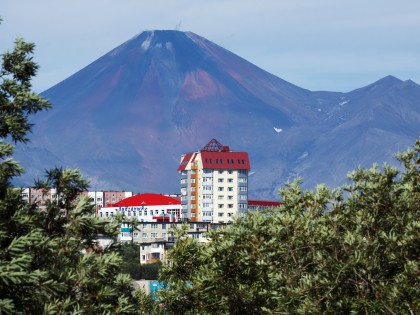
(126, 118)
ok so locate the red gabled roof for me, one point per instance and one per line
(217, 156)
(225, 160)
(264, 203)
(146, 200)
(184, 162)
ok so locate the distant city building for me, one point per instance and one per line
(40, 197)
(254, 205)
(103, 198)
(155, 238)
(145, 208)
(214, 184)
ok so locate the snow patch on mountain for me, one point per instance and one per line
(146, 44)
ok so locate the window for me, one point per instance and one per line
(220, 180)
(243, 197)
(153, 235)
(154, 226)
(242, 180)
(220, 172)
(243, 188)
(220, 214)
(196, 235)
(230, 188)
(220, 205)
(230, 205)
(220, 188)
(164, 226)
(192, 188)
(230, 214)
(136, 234)
(230, 197)
(230, 180)
(242, 205)
(192, 197)
(144, 235)
(220, 197)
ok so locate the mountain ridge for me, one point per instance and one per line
(126, 118)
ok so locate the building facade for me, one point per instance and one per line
(214, 184)
(259, 205)
(145, 208)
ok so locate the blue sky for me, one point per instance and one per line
(333, 45)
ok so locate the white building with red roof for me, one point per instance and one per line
(146, 208)
(214, 183)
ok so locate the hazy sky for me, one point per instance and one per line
(334, 45)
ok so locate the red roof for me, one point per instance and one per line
(225, 160)
(146, 200)
(184, 162)
(264, 203)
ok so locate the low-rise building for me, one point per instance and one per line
(254, 205)
(145, 208)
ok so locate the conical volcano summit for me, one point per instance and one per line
(126, 119)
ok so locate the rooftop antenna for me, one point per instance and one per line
(178, 26)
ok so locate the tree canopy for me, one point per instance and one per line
(352, 250)
(50, 261)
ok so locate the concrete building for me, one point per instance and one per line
(254, 205)
(145, 208)
(214, 184)
(103, 198)
(39, 196)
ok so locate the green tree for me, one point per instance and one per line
(130, 254)
(351, 250)
(50, 261)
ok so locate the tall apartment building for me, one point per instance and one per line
(214, 184)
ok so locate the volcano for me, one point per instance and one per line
(126, 119)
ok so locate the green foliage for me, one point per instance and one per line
(17, 101)
(50, 260)
(130, 254)
(351, 250)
